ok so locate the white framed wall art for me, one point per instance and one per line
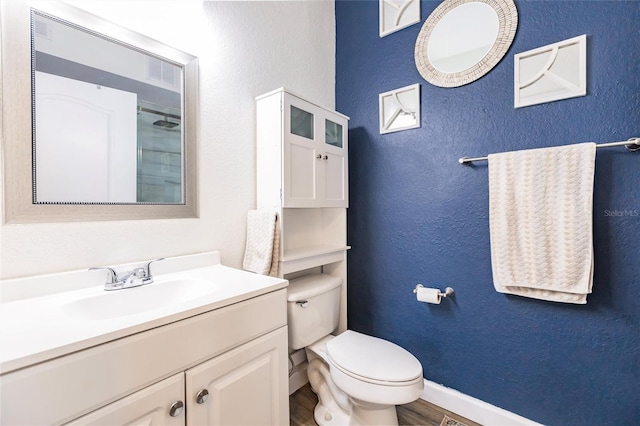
(551, 73)
(398, 14)
(400, 109)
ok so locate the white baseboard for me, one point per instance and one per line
(298, 377)
(470, 407)
(296, 381)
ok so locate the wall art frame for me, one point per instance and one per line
(398, 14)
(550, 73)
(400, 109)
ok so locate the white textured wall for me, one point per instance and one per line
(245, 49)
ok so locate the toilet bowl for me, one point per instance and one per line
(359, 379)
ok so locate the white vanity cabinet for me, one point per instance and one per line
(236, 353)
(217, 392)
(302, 151)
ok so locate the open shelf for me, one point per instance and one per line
(309, 257)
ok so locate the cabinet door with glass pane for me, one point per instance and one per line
(301, 155)
(335, 162)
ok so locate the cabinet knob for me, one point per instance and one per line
(202, 396)
(176, 409)
(326, 157)
(319, 156)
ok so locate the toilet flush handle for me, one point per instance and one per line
(303, 303)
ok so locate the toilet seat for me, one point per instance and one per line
(373, 381)
(373, 360)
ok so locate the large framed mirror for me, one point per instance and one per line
(99, 122)
(462, 40)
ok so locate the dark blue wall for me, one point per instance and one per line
(417, 216)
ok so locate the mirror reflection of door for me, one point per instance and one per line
(86, 145)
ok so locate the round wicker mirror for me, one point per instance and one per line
(462, 40)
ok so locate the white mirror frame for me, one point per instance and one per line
(508, 23)
(17, 124)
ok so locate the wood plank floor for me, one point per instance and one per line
(418, 413)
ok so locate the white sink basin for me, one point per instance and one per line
(136, 300)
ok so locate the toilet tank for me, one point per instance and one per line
(313, 308)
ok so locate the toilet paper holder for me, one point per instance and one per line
(447, 291)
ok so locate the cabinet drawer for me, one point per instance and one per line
(73, 385)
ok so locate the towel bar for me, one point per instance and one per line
(633, 144)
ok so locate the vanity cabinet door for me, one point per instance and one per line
(245, 386)
(159, 404)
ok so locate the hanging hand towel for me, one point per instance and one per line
(261, 252)
(541, 210)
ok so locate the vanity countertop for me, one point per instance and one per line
(37, 329)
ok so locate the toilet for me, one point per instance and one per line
(359, 379)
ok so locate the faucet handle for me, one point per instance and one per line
(112, 277)
(147, 267)
(139, 273)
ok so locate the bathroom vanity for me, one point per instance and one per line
(219, 347)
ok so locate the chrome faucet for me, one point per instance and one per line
(137, 277)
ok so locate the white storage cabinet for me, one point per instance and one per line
(306, 146)
(303, 176)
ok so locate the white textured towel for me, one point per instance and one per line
(541, 210)
(263, 243)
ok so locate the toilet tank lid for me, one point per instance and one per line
(311, 285)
